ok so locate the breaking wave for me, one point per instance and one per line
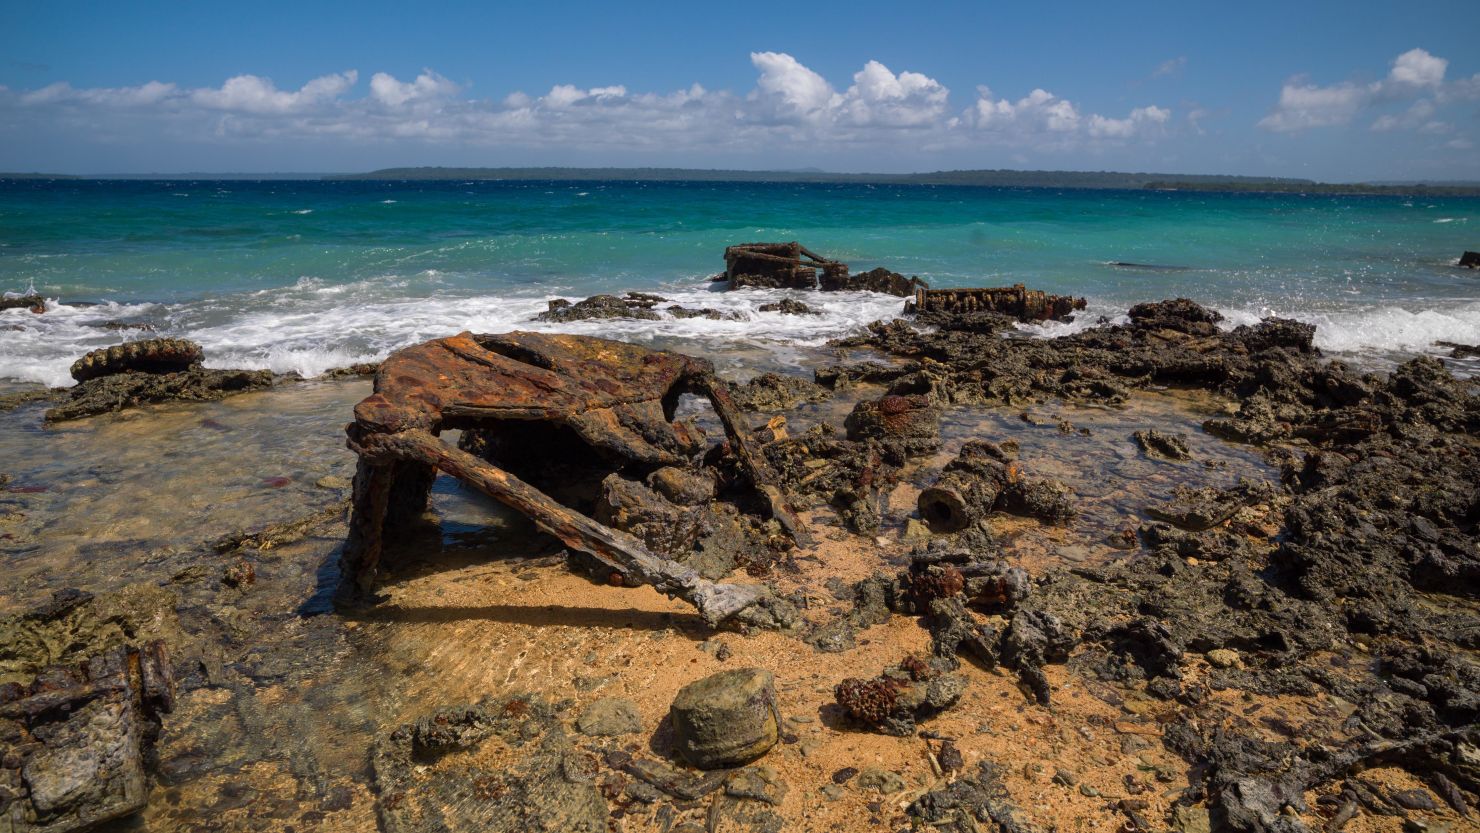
(312, 326)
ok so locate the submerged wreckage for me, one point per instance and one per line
(521, 393)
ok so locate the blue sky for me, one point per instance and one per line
(1339, 91)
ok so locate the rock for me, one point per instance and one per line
(880, 780)
(787, 306)
(1163, 446)
(726, 719)
(116, 392)
(914, 532)
(79, 737)
(1203, 508)
(1224, 658)
(1460, 351)
(1414, 800)
(1470, 260)
(910, 423)
(712, 314)
(240, 575)
(892, 702)
(684, 486)
(548, 787)
(1187, 819)
(358, 370)
(1179, 315)
(950, 757)
(609, 717)
(772, 392)
(332, 481)
(635, 305)
(34, 303)
(979, 796)
(832, 792)
(709, 537)
(875, 280)
(761, 783)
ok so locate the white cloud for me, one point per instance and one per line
(879, 97)
(790, 105)
(1038, 111)
(1415, 76)
(140, 96)
(428, 86)
(790, 88)
(1418, 68)
(1042, 116)
(1416, 115)
(1141, 120)
(255, 94)
(1303, 106)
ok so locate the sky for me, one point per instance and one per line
(1349, 91)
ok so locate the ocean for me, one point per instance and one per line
(308, 275)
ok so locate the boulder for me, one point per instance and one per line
(1470, 260)
(787, 306)
(634, 305)
(727, 719)
(34, 303)
(876, 280)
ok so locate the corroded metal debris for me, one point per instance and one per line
(77, 739)
(154, 355)
(547, 393)
(1016, 301)
(779, 266)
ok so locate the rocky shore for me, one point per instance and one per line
(1164, 575)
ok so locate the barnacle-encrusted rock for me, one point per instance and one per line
(891, 702)
(154, 355)
(910, 422)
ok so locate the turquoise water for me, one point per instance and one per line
(308, 275)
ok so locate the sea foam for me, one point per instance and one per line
(311, 326)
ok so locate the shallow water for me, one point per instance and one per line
(288, 697)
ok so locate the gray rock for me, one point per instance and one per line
(880, 780)
(727, 719)
(609, 717)
(1191, 819)
(762, 783)
(1223, 658)
(550, 788)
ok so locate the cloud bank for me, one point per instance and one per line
(1415, 78)
(789, 104)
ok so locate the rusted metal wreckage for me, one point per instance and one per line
(1017, 301)
(779, 266)
(529, 390)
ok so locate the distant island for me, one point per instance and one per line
(974, 178)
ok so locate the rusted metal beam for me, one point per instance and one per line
(716, 602)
